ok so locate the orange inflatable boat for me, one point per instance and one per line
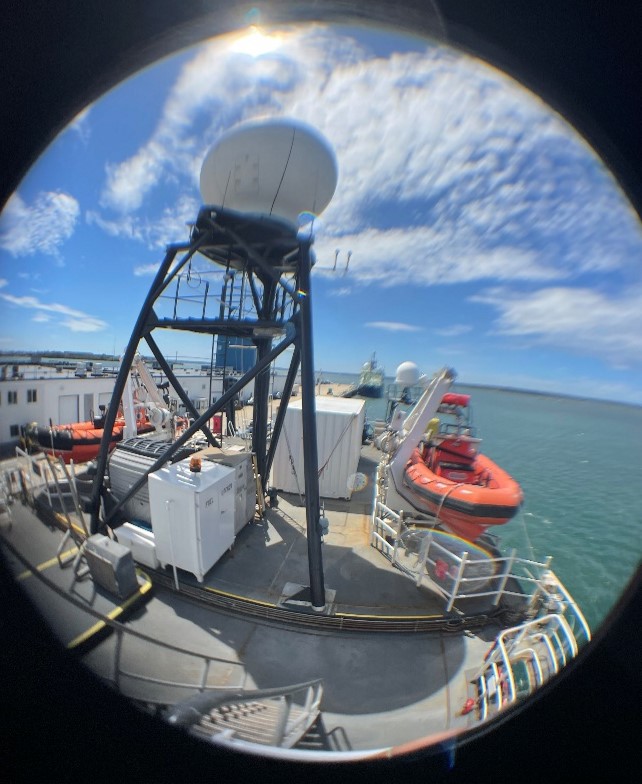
(80, 441)
(448, 478)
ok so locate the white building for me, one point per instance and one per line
(36, 394)
(45, 393)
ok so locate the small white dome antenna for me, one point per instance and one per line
(408, 374)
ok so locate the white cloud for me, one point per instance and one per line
(425, 256)
(393, 326)
(582, 320)
(449, 173)
(169, 227)
(145, 270)
(129, 181)
(84, 324)
(452, 173)
(42, 227)
(218, 84)
(453, 331)
(72, 319)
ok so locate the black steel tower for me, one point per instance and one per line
(262, 267)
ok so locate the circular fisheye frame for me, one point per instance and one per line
(176, 543)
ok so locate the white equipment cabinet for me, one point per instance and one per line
(340, 424)
(192, 515)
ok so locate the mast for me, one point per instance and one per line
(255, 181)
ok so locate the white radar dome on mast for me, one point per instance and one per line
(278, 167)
(408, 374)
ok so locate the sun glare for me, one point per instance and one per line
(255, 43)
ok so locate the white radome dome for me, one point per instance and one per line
(278, 167)
(407, 374)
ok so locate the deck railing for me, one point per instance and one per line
(537, 649)
(292, 721)
(531, 584)
(116, 673)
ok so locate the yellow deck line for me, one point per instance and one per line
(46, 564)
(239, 598)
(98, 626)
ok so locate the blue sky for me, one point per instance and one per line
(485, 234)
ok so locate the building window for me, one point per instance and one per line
(14, 431)
(12, 397)
(32, 395)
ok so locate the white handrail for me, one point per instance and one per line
(533, 578)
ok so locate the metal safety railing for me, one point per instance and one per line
(239, 721)
(523, 657)
(277, 717)
(117, 673)
(521, 660)
(59, 484)
(463, 575)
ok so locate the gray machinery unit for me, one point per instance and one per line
(131, 460)
(111, 565)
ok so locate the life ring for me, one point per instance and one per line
(441, 569)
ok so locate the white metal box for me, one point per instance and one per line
(141, 543)
(340, 423)
(192, 515)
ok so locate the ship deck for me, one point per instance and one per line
(393, 670)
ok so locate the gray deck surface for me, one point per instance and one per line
(380, 688)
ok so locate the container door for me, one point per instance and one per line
(68, 409)
(88, 406)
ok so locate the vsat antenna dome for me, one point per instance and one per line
(277, 167)
(407, 374)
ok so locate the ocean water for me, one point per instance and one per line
(579, 463)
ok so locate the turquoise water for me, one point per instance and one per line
(579, 463)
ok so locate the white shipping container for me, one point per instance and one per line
(192, 515)
(340, 424)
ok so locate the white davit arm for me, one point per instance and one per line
(150, 397)
(414, 425)
(130, 429)
(146, 380)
